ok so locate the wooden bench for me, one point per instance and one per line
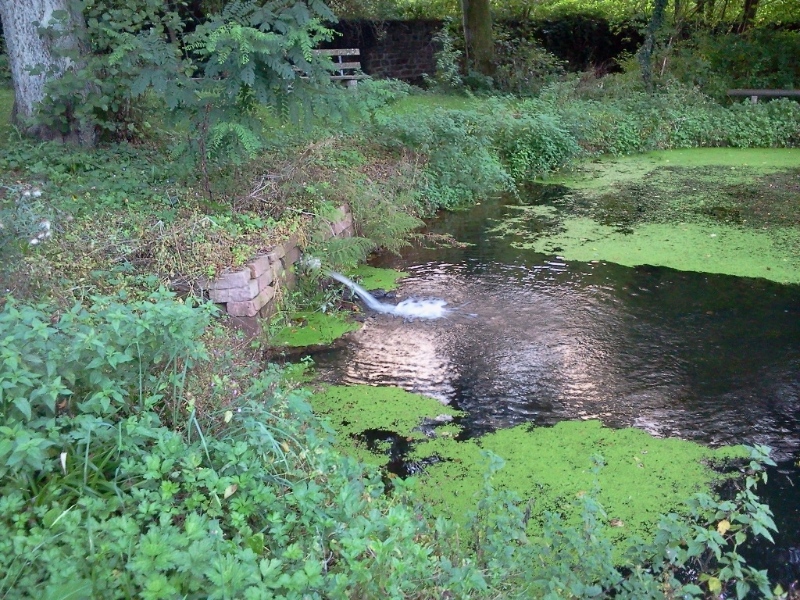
(755, 94)
(348, 68)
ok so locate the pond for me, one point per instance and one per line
(540, 338)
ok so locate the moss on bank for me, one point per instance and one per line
(313, 329)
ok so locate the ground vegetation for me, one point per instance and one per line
(144, 454)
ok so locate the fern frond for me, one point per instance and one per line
(341, 253)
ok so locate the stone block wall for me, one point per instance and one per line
(405, 49)
(250, 292)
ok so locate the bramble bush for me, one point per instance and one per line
(134, 463)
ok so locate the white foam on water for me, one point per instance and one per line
(421, 309)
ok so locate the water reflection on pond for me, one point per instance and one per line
(710, 358)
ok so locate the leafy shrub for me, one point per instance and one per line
(761, 58)
(532, 144)
(448, 61)
(673, 117)
(107, 494)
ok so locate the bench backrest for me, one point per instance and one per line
(754, 95)
(346, 66)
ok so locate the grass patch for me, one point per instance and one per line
(6, 107)
(429, 102)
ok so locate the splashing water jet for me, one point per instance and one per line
(407, 309)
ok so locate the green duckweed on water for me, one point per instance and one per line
(550, 468)
(741, 163)
(313, 329)
(358, 409)
(727, 211)
(704, 247)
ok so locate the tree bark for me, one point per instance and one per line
(748, 15)
(478, 36)
(646, 51)
(35, 58)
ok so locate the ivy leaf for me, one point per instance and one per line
(723, 526)
(714, 585)
(74, 590)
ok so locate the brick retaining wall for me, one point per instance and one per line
(250, 293)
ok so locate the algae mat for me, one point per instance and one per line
(549, 468)
(725, 211)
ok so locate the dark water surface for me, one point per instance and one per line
(710, 358)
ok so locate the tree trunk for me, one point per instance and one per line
(646, 51)
(35, 58)
(748, 15)
(478, 36)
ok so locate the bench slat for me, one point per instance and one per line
(346, 77)
(346, 65)
(339, 52)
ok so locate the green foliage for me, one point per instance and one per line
(115, 484)
(210, 80)
(675, 117)
(465, 155)
(65, 373)
(532, 144)
(341, 253)
(523, 66)
(448, 61)
(113, 500)
(78, 181)
(761, 59)
(457, 146)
